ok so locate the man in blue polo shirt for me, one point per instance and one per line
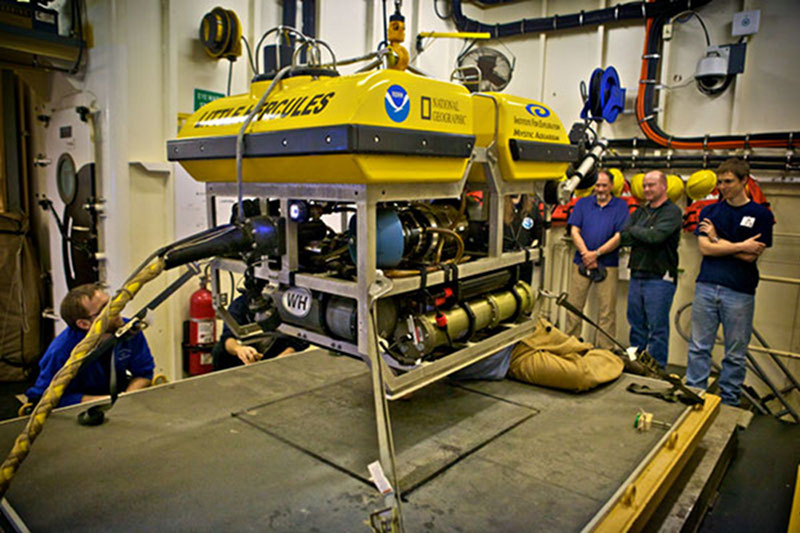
(594, 226)
(134, 363)
(732, 234)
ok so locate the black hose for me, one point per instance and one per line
(164, 249)
(76, 12)
(260, 235)
(249, 55)
(595, 17)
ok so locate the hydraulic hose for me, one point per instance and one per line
(52, 395)
(240, 136)
(259, 235)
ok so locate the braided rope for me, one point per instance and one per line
(58, 385)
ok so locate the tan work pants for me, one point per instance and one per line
(606, 294)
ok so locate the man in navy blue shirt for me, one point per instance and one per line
(229, 352)
(132, 357)
(732, 234)
(594, 225)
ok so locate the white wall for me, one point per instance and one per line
(146, 61)
(141, 72)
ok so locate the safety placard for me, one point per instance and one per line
(202, 97)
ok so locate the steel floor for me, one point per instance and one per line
(284, 445)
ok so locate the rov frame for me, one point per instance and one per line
(371, 284)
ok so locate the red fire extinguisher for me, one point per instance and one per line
(202, 330)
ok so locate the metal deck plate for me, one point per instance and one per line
(552, 473)
(506, 456)
(434, 428)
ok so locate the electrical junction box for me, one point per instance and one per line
(746, 22)
(736, 57)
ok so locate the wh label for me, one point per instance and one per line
(297, 301)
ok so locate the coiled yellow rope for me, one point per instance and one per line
(58, 385)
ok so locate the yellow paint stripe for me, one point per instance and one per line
(644, 494)
(794, 516)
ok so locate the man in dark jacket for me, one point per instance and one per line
(653, 233)
(229, 352)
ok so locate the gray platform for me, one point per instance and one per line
(283, 446)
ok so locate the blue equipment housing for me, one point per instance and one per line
(389, 238)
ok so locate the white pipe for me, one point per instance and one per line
(773, 351)
(567, 187)
(779, 279)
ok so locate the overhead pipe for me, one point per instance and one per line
(309, 22)
(757, 162)
(595, 17)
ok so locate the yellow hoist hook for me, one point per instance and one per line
(396, 34)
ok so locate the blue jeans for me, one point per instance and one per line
(649, 301)
(715, 304)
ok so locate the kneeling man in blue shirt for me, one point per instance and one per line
(732, 234)
(132, 358)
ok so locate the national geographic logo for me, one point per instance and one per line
(273, 109)
(441, 110)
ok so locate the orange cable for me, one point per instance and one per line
(684, 145)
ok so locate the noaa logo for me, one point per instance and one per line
(297, 301)
(397, 103)
(527, 223)
(538, 110)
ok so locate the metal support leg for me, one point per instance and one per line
(290, 259)
(496, 203)
(367, 343)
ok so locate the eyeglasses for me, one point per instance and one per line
(94, 315)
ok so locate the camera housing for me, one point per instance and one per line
(717, 67)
